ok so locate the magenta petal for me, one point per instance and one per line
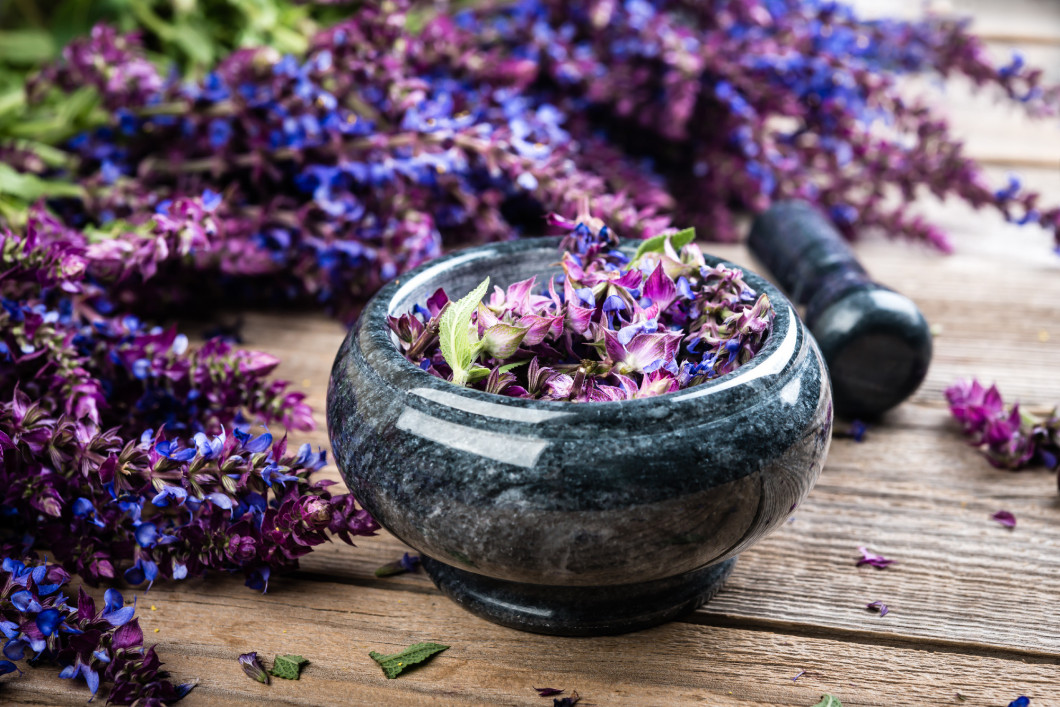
(615, 350)
(649, 352)
(630, 279)
(485, 318)
(578, 318)
(1005, 518)
(871, 558)
(518, 296)
(660, 289)
(539, 328)
(436, 301)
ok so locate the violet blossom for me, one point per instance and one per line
(101, 648)
(85, 393)
(1009, 437)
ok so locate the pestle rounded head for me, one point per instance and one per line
(878, 348)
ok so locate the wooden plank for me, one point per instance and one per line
(1027, 21)
(204, 628)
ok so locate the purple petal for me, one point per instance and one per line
(615, 350)
(871, 558)
(128, 635)
(1005, 518)
(660, 289)
(649, 352)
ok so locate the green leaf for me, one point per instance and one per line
(509, 366)
(829, 701)
(26, 46)
(394, 664)
(29, 187)
(77, 105)
(682, 238)
(288, 667)
(457, 339)
(657, 244)
(477, 373)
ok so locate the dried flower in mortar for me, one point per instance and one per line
(1010, 439)
(611, 327)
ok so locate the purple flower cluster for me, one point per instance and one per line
(1010, 439)
(338, 170)
(383, 145)
(102, 647)
(82, 387)
(748, 101)
(610, 328)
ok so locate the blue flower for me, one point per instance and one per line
(15, 649)
(210, 200)
(114, 610)
(168, 450)
(273, 473)
(209, 448)
(259, 579)
(6, 666)
(9, 629)
(146, 534)
(48, 620)
(143, 570)
(220, 132)
(25, 602)
(178, 494)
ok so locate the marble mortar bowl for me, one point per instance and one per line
(574, 518)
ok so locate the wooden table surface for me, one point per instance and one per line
(973, 605)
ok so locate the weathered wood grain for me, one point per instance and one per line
(204, 627)
(1024, 21)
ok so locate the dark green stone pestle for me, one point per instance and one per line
(875, 341)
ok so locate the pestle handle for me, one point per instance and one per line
(875, 341)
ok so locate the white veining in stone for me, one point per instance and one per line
(517, 451)
(487, 409)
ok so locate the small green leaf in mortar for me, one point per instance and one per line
(658, 243)
(829, 701)
(394, 664)
(459, 343)
(288, 667)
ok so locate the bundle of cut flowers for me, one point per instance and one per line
(610, 328)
